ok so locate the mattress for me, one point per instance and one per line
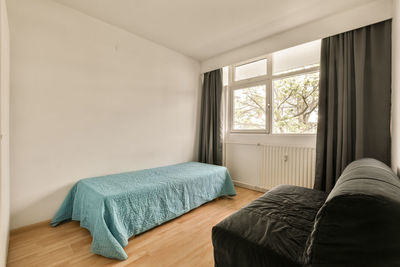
(116, 207)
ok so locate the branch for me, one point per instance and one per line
(255, 102)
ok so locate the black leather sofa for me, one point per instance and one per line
(357, 224)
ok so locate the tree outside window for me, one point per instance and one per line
(249, 108)
(295, 104)
(277, 93)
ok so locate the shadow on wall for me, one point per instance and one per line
(17, 218)
(197, 124)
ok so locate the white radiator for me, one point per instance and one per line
(262, 166)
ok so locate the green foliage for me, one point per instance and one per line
(249, 108)
(295, 104)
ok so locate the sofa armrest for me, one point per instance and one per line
(359, 223)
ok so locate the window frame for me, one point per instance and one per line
(231, 93)
(266, 80)
(242, 84)
(249, 80)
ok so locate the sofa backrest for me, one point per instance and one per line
(359, 223)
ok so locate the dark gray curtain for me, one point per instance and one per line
(210, 120)
(354, 101)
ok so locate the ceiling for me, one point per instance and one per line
(205, 28)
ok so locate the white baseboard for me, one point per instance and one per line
(249, 186)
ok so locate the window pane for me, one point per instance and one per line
(249, 108)
(296, 58)
(251, 70)
(295, 104)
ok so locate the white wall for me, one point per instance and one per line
(369, 13)
(4, 130)
(396, 87)
(90, 99)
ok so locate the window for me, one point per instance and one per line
(251, 70)
(277, 93)
(295, 104)
(249, 105)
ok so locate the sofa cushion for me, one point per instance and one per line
(270, 231)
(359, 224)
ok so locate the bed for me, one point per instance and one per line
(116, 207)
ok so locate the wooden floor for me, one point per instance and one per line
(185, 241)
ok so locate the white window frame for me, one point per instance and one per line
(241, 84)
(266, 80)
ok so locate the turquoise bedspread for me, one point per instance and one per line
(115, 207)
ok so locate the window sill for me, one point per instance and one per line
(271, 134)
